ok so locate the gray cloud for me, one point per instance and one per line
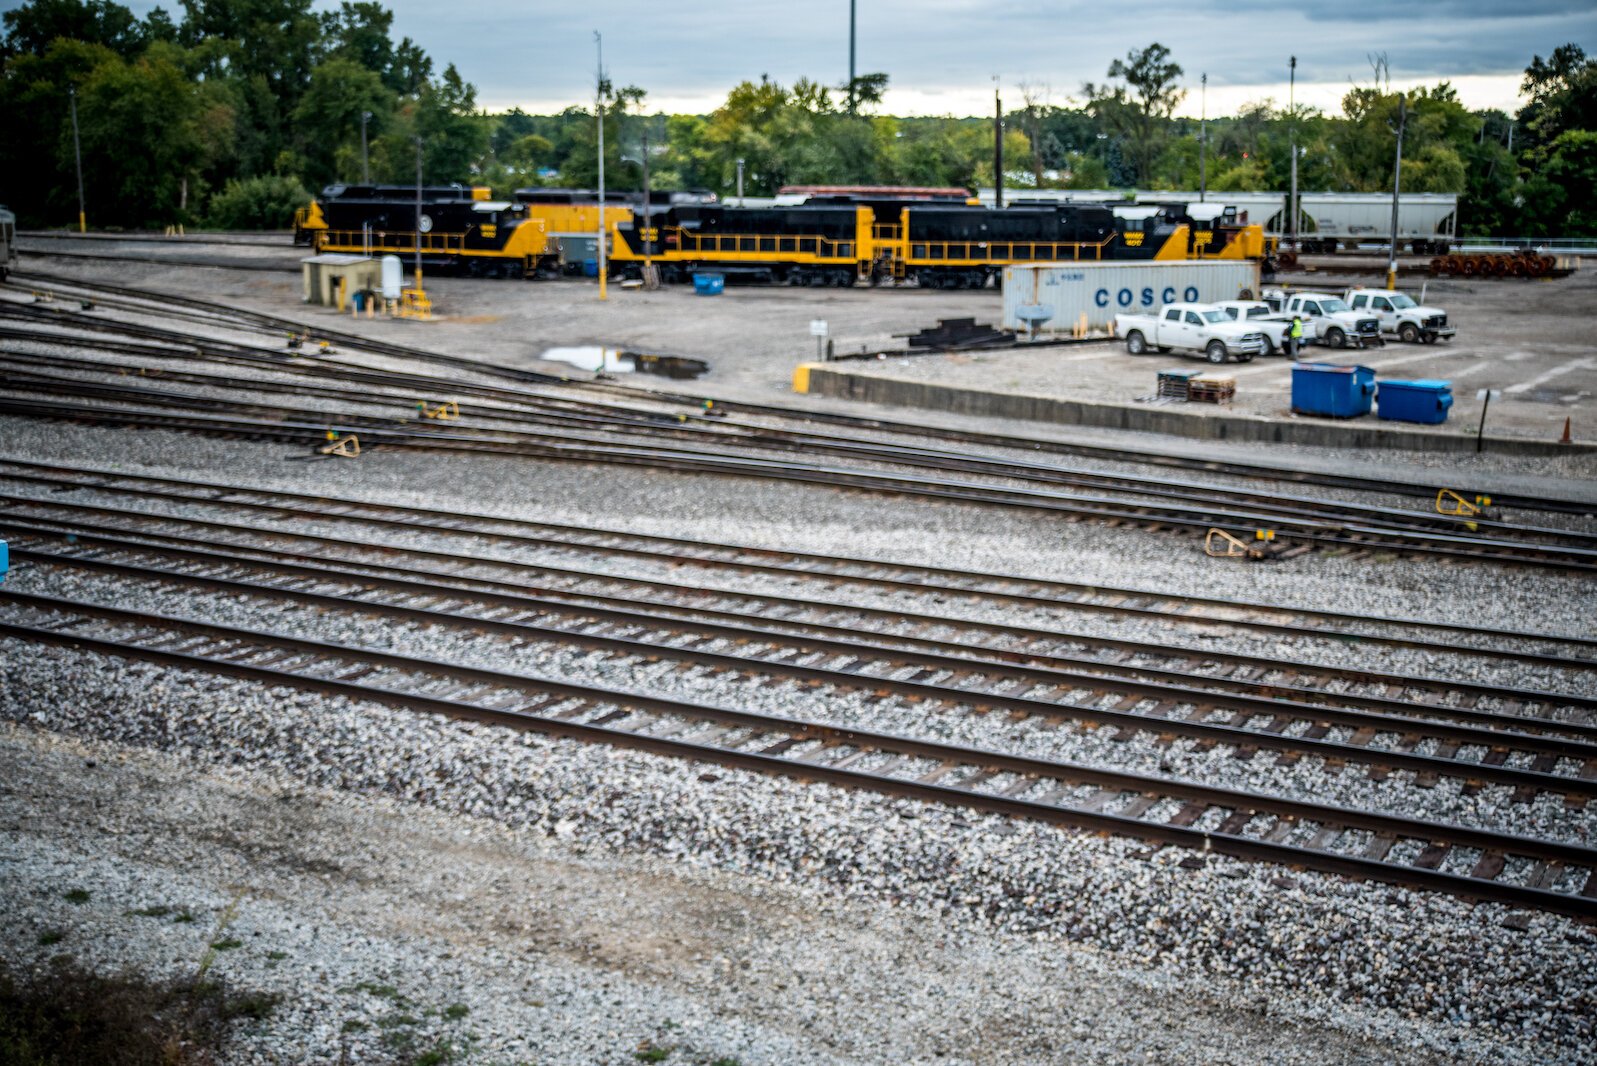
(544, 51)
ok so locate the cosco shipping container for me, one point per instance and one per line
(1057, 295)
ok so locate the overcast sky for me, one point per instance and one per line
(942, 55)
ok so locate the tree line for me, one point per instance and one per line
(232, 114)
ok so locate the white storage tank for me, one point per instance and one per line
(1057, 295)
(393, 277)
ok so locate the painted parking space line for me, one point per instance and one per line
(1374, 363)
(1558, 371)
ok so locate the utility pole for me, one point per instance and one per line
(851, 101)
(599, 97)
(77, 153)
(1397, 186)
(365, 158)
(1292, 119)
(740, 182)
(998, 143)
(1203, 140)
(648, 216)
(418, 214)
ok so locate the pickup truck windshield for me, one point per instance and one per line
(1332, 306)
(1401, 302)
(1214, 316)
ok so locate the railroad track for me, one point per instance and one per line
(523, 378)
(1475, 863)
(504, 412)
(1529, 753)
(1570, 552)
(217, 263)
(1248, 620)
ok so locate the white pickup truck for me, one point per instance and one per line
(1194, 328)
(1399, 314)
(1335, 323)
(1274, 325)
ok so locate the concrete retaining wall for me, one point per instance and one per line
(1206, 423)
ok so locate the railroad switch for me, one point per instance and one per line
(1453, 505)
(1219, 544)
(444, 411)
(342, 446)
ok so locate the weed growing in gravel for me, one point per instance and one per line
(355, 1025)
(185, 917)
(69, 1015)
(51, 936)
(227, 945)
(456, 1011)
(157, 911)
(77, 896)
(726, 1062)
(652, 1053)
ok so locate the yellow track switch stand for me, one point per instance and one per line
(446, 411)
(344, 447)
(1222, 545)
(1453, 505)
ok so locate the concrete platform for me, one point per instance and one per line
(1199, 421)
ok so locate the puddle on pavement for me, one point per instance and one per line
(596, 359)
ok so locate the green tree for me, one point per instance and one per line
(328, 118)
(1139, 111)
(266, 202)
(31, 28)
(141, 138)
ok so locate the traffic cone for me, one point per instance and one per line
(1565, 438)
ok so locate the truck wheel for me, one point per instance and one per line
(1269, 346)
(1135, 344)
(1336, 338)
(1409, 332)
(1215, 352)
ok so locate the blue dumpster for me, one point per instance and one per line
(1425, 400)
(590, 268)
(709, 284)
(1332, 390)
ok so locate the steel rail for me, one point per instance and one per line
(1238, 469)
(288, 425)
(808, 566)
(859, 654)
(623, 420)
(1552, 858)
(759, 604)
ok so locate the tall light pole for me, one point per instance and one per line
(599, 107)
(851, 101)
(1292, 118)
(740, 181)
(998, 144)
(1397, 185)
(77, 154)
(418, 213)
(365, 159)
(1203, 140)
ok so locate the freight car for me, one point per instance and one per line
(457, 227)
(8, 242)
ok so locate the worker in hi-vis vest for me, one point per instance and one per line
(1294, 342)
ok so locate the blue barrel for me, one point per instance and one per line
(709, 284)
(1426, 400)
(590, 268)
(1332, 390)
(5, 560)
